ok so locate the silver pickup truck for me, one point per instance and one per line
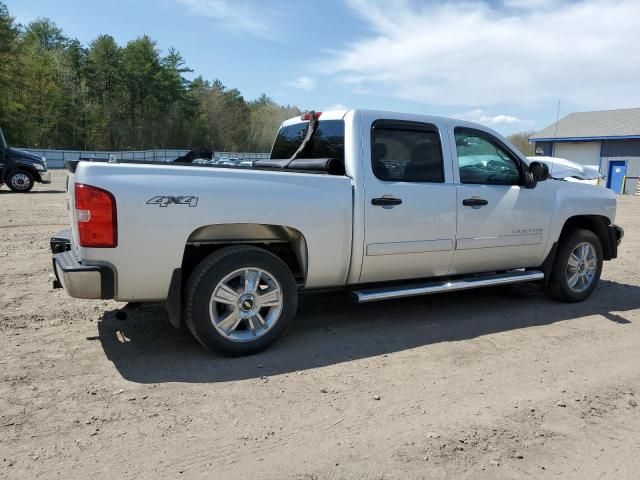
(385, 205)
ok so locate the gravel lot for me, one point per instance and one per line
(492, 383)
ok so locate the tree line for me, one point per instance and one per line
(521, 140)
(56, 92)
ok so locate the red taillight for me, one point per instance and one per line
(96, 217)
(307, 116)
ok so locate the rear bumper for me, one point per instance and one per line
(78, 280)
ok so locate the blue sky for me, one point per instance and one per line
(504, 63)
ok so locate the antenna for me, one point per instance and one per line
(555, 134)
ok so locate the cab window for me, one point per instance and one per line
(327, 141)
(406, 152)
(482, 159)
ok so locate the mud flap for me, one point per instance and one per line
(173, 303)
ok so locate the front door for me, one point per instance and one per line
(501, 224)
(410, 201)
(617, 172)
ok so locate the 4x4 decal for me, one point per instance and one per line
(166, 200)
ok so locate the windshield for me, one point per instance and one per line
(326, 142)
(3, 143)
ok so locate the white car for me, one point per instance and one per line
(563, 169)
(383, 204)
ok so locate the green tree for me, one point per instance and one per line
(265, 118)
(45, 34)
(141, 68)
(57, 93)
(521, 140)
(51, 87)
(176, 104)
(9, 67)
(105, 90)
(226, 115)
(39, 92)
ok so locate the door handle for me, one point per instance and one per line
(385, 201)
(474, 202)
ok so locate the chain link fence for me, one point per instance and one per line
(56, 158)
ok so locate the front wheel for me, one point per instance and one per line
(239, 300)
(577, 266)
(20, 181)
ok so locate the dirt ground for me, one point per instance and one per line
(500, 383)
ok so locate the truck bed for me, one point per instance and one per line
(152, 235)
(321, 166)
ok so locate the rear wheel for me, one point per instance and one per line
(239, 300)
(20, 181)
(577, 266)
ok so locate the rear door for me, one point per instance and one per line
(410, 200)
(501, 224)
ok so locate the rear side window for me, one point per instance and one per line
(406, 152)
(327, 141)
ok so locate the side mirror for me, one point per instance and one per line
(539, 171)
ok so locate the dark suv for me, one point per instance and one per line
(20, 170)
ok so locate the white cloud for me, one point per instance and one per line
(481, 53)
(362, 90)
(243, 15)
(337, 106)
(480, 116)
(303, 83)
(530, 4)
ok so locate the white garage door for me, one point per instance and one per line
(586, 153)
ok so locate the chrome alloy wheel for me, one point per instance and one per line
(581, 267)
(245, 304)
(20, 181)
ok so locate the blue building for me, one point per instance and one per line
(608, 139)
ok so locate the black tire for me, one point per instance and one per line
(20, 181)
(558, 286)
(206, 277)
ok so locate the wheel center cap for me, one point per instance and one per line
(581, 268)
(247, 303)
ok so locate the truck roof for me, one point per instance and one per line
(328, 115)
(410, 117)
(340, 114)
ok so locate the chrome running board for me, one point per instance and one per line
(476, 281)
